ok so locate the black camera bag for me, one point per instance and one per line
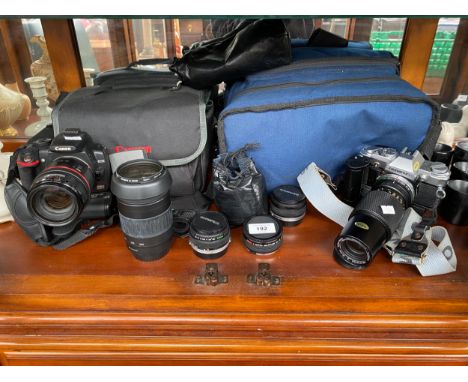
(137, 108)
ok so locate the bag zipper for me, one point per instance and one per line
(286, 85)
(317, 62)
(322, 102)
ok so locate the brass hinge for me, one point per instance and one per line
(211, 276)
(263, 277)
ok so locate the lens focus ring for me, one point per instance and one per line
(146, 228)
(384, 206)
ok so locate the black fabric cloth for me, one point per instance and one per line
(252, 46)
(238, 188)
(323, 38)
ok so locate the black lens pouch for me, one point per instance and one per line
(239, 190)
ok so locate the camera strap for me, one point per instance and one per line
(415, 243)
(83, 233)
(412, 243)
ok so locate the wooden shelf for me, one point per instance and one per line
(95, 304)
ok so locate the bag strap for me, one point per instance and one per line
(426, 148)
(151, 61)
(12, 172)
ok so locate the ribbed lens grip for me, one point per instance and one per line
(147, 228)
(374, 204)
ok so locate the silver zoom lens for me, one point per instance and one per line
(142, 191)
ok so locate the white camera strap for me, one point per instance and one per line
(436, 259)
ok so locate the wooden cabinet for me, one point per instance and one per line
(95, 304)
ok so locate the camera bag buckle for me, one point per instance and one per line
(412, 249)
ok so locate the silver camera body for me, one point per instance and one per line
(427, 178)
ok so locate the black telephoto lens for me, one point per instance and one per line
(141, 187)
(262, 235)
(288, 205)
(373, 221)
(209, 235)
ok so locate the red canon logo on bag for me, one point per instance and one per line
(146, 149)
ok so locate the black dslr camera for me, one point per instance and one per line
(56, 184)
(381, 184)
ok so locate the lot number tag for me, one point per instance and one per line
(262, 228)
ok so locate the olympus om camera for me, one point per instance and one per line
(381, 184)
(59, 184)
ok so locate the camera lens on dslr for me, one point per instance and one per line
(288, 205)
(263, 235)
(373, 221)
(60, 192)
(209, 235)
(141, 187)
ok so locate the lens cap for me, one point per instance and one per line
(209, 235)
(289, 196)
(263, 234)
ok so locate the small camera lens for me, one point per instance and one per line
(262, 235)
(209, 235)
(288, 205)
(142, 189)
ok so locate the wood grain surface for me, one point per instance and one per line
(95, 304)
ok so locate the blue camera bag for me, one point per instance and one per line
(324, 107)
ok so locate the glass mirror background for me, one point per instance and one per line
(102, 46)
(387, 34)
(440, 54)
(23, 53)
